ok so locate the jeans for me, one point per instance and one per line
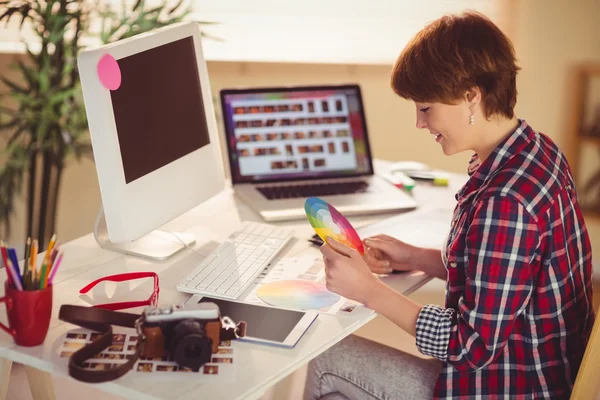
(358, 368)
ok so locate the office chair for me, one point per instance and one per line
(587, 382)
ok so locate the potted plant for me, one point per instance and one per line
(48, 124)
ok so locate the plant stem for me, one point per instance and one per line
(53, 197)
(31, 192)
(46, 176)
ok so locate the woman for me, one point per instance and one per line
(517, 260)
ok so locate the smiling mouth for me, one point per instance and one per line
(437, 137)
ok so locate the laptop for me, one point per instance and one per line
(286, 144)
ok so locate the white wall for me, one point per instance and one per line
(551, 38)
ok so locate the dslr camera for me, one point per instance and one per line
(189, 335)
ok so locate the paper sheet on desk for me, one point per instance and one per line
(221, 368)
(308, 268)
(424, 227)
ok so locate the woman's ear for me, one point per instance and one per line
(473, 97)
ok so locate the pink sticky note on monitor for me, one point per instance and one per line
(109, 72)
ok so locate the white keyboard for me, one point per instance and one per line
(234, 265)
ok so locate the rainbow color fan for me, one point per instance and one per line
(327, 221)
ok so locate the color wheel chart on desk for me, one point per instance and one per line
(327, 221)
(297, 294)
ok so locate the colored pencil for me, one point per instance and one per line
(50, 247)
(55, 268)
(46, 262)
(16, 282)
(33, 262)
(5, 259)
(12, 255)
(26, 263)
(53, 255)
(43, 276)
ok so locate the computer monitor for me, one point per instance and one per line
(154, 135)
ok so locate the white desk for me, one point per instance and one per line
(258, 367)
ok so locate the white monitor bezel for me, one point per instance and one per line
(132, 210)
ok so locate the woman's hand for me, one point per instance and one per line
(384, 254)
(347, 273)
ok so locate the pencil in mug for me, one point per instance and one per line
(12, 255)
(12, 271)
(49, 251)
(53, 255)
(43, 275)
(55, 268)
(51, 245)
(33, 263)
(26, 277)
(47, 264)
(5, 260)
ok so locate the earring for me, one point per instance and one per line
(472, 118)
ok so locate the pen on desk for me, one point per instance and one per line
(405, 180)
(436, 178)
(55, 268)
(399, 180)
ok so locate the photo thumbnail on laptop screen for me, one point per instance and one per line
(298, 134)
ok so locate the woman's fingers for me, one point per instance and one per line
(380, 267)
(381, 244)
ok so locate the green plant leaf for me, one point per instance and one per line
(62, 96)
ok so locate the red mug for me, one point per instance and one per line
(29, 314)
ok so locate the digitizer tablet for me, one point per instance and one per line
(267, 325)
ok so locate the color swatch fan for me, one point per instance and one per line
(327, 221)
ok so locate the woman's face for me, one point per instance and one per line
(448, 124)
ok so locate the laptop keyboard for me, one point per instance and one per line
(315, 189)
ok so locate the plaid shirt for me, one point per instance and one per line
(518, 310)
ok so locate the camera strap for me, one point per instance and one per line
(101, 321)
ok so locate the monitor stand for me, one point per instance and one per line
(157, 245)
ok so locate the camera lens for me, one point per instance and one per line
(190, 347)
(193, 351)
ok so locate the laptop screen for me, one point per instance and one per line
(296, 133)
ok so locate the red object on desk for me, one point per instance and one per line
(29, 314)
(152, 300)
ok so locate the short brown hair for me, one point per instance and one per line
(453, 54)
